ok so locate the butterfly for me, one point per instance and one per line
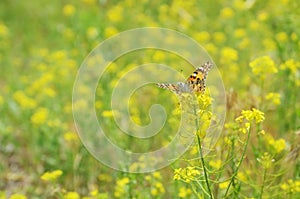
(195, 82)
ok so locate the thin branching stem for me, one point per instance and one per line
(239, 163)
(263, 184)
(201, 153)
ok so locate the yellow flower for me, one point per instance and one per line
(281, 37)
(263, 66)
(266, 160)
(219, 37)
(240, 32)
(263, 16)
(23, 100)
(1, 100)
(51, 176)
(17, 196)
(71, 136)
(156, 175)
(71, 195)
(186, 174)
(3, 30)
(274, 98)
(184, 192)
(269, 44)
(228, 55)
(202, 37)
(216, 164)
(291, 65)
(115, 14)
(110, 31)
(224, 185)
(92, 32)
(69, 10)
(40, 116)
(226, 13)
(89, 2)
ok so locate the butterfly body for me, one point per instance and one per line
(195, 82)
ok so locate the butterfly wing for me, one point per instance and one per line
(198, 78)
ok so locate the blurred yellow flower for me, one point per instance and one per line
(110, 31)
(51, 176)
(1, 100)
(281, 37)
(240, 32)
(224, 185)
(202, 37)
(17, 196)
(263, 66)
(40, 116)
(68, 34)
(266, 160)
(263, 16)
(105, 177)
(274, 98)
(219, 37)
(3, 30)
(89, 2)
(71, 195)
(115, 14)
(23, 100)
(92, 32)
(228, 55)
(291, 65)
(184, 192)
(215, 164)
(226, 13)
(71, 136)
(120, 188)
(68, 10)
(269, 44)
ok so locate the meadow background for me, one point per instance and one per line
(255, 45)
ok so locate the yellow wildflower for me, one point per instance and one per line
(251, 115)
(71, 195)
(186, 174)
(17, 196)
(263, 66)
(224, 185)
(1, 100)
(215, 164)
(40, 116)
(110, 31)
(51, 176)
(219, 37)
(228, 55)
(281, 37)
(240, 32)
(92, 32)
(115, 14)
(3, 30)
(266, 160)
(71, 136)
(184, 192)
(89, 2)
(69, 10)
(202, 37)
(226, 13)
(263, 16)
(23, 100)
(291, 65)
(274, 98)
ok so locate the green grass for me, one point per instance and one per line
(43, 43)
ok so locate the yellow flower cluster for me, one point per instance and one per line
(273, 98)
(121, 187)
(291, 186)
(251, 115)
(291, 65)
(71, 195)
(24, 101)
(263, 66)
(277, 146)
(184, 192)
(187, 174)
(51, 176)
(40, 116)
(266, 160)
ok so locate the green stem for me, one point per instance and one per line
(263, 184)
(239, 164)
(201, 154)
